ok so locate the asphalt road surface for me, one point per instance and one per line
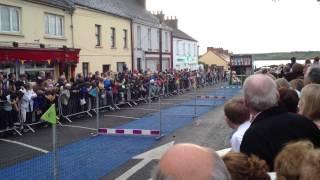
(79, 150)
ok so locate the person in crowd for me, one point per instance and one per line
(310, 165)
(27, 103)
(282, 83)
(288, 100)
(297, 85)
(243, 167)
(11, 108)
(288, 162)
(237, 117)
(312, 75)
(316, 60)
(293, 61)
(307, 62)
(272, 126)
(189, 162)
(296, 73)
(310, 102)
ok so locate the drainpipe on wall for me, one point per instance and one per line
(72, 31)
(132, 46)
(171, 51)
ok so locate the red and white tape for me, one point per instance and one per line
(211, 97)
(133, 132)
(231, 87)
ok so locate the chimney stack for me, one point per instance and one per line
(141, 3)
(172, 22)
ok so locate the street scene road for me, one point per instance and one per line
(116, 153)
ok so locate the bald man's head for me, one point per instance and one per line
(260, 92)
(190, 162)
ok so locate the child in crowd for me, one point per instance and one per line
(237, 117)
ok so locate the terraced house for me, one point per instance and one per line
(36, 36)
(103, 33)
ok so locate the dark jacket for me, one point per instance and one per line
(272, 129)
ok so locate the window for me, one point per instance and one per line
(177, 47)
(9, 19)
(125, 38)
(195, 50)
(189, 49)
(158, 38)
(149, 39)
(54, 25)
(139, 37)
(98, 35)
(166, 36)
(121, 66)
(113, 37)
(184, 48)
(85, 69)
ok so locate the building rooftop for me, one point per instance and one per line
(63, 4)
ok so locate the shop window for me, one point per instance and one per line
(121, 66)
(9, 19)
(54, 25)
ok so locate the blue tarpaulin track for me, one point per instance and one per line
(94, 157)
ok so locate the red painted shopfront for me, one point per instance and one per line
(31, 60)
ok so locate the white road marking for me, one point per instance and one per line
(126, 117)
(25, 145)
(80, 127)
(145, 109)
(148, 156)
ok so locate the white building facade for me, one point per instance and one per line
(146, 47)
(185, 48)
(185, 54)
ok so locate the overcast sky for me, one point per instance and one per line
(247, 26)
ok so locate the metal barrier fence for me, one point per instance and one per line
(73, 104)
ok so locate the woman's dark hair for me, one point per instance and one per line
(289, 99)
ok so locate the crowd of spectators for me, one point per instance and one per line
(23, 100)
(276, 135)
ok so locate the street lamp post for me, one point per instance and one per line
(160, 46)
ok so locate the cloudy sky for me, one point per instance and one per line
(247, 26)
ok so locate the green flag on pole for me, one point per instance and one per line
(50, 116)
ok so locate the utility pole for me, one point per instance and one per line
(160, 43)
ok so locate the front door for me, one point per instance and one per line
(105, 68)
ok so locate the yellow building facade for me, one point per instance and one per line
(29, 24)
(212, 58)
(104, 40)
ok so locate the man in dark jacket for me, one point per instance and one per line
(272, 127)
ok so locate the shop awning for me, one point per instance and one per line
(38, 55)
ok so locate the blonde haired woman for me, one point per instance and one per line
(310, 102)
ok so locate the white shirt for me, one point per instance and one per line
(237, 136)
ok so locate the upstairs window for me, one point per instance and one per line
(149, 39)
(166, 41)
(98, 35)
(113, 37)
(54, 25)
(125, 38)
(139, 37)
(9, 19)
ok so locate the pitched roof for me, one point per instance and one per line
(182, 35)
(64, 4)
(137, 13)
(108, 6)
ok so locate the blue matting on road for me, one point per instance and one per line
(94, 157)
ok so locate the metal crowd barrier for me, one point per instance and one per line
(77, 105)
